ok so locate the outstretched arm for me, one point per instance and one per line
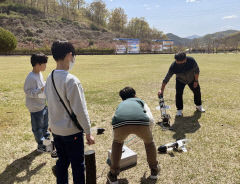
(160, 92)
(165, 81)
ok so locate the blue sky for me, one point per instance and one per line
(183, 17)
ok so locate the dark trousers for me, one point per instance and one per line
(70, 149)
(179, 94)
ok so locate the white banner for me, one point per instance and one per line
(121, 49)
(133, 46)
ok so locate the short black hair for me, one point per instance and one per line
(61, 48)
(38, 59)
(127, 92)
(180, 56)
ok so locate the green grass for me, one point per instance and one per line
(214, 151)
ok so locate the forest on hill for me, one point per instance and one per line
(36, 23)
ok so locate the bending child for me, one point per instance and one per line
(132, 116)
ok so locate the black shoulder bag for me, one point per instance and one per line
(72, 115)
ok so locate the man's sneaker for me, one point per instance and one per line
(179, 113)
(154, 173)
(112, 179)
(41, 149)
(200, 108)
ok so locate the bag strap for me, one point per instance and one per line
(59, 95)
(72, 116)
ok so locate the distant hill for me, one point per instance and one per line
(215, 36)
(232, 39)
(193, 37)
(219, 35)
(178, 40)
(202, 41)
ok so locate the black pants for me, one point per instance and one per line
(179, 94)
(70, 149)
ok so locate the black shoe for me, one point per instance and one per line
(54, 154)
(154, 173)
(41, 149)
(112, 179)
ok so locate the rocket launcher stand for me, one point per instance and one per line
(165, 124)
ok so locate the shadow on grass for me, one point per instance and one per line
(183, 125)
(146, 180)
(10, 174)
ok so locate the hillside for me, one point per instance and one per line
(40, 32)
(232, 39)
(37, 23)
(215, 36)
(203, 41)
(34, 30)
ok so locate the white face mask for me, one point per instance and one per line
(71, 64)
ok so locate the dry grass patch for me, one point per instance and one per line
(214, 151)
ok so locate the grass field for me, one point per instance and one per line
(213, 155)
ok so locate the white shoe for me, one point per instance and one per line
(179, 113)
(152, 177)
(200, 108)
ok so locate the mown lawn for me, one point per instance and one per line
(213, 155)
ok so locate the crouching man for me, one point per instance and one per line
(187, 73)
(132, 116)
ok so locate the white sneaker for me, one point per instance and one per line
(200, 108)
(179, 113)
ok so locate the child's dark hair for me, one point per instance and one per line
(61, 48)
(38, 59)
(180, 56)
(127, 92)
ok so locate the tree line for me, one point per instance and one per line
(115, 20)
(229, 43)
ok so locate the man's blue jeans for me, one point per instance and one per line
(39, 122)
(70, 149)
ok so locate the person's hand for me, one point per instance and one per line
(195, 84)
(160, 92)
(90, 139)
(42, 89)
